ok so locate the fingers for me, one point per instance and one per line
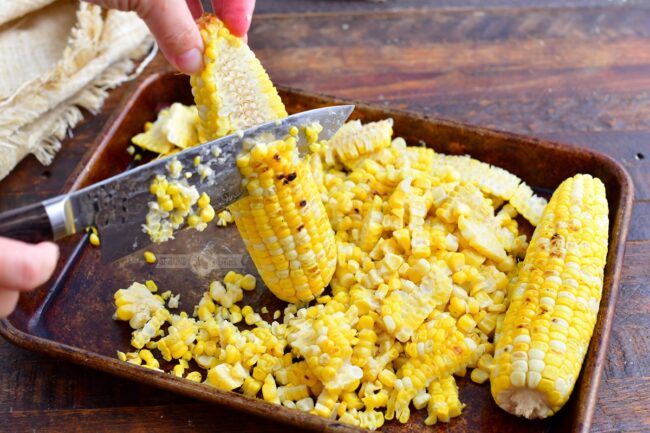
(171, 23)
(8, 301)
(236, 14)
(174, 28)
(25, 266)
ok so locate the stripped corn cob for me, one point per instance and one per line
(554, 302)
(283, 222)
(233, 91)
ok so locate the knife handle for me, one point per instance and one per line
(29, 223)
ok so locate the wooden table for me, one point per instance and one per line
(576, 71)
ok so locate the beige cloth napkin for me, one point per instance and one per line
(57, 57)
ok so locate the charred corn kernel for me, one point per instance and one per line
(232, 81)
(149, 257)
(559, 285)
(94, 239)
(284, 225)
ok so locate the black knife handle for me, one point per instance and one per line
(29, 223)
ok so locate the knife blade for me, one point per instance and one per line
(117, 206)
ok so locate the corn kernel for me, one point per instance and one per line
(149, 257)
(151, 285)
(94, 239)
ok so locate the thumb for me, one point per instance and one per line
(172, 25)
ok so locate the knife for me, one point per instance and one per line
(117, 206)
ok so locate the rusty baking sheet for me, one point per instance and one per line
(70, 317)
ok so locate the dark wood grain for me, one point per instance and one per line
(575, 74)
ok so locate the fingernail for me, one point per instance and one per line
(190, 61)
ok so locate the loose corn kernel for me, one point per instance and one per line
(194, 376)
(248, 282)
(149, 257)
(151, 285)
(94, 239)
(479, 375)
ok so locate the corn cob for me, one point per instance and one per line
(283, 221)
(233, 91)
(554, 303)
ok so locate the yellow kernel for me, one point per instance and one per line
(193, 220)
(178, 370)
(194, 376)
(236, 317)
(121, 356)
(197, 160)
(246, 310)
(94, 240)
(204, 200)
(151, 285)
(149, 257)
(248, 282)
(231, 277)
(479, 375)
(207, 213)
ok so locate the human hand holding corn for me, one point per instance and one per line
(172, 24)
(23, 267)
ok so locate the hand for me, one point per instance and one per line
(23, 267)
(172, 24)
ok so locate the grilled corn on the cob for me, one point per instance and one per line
(283, 221)
(554, 302)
